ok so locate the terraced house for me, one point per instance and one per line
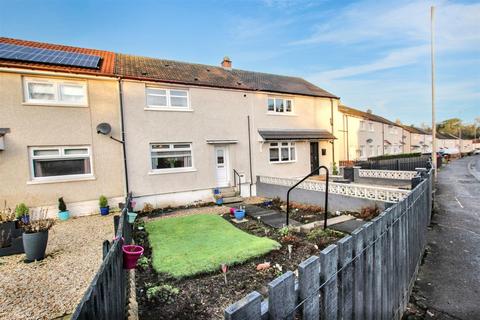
(51, 99)
(365, 134)
(185, 128)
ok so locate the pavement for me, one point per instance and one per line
(448, 283)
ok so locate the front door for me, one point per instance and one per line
(314, 160)
(221, 166)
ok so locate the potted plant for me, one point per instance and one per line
(131, 254)
(7, 226)
(104, 208)
(131, 217)
(22, 212)
(63, 213)
(35, 235)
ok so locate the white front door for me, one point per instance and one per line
(221, 166)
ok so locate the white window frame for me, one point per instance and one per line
(363, 151)
(168, 96)
(171, 148)
(57, 83)
(362, 125)
(284, 112)
(370, 127)
(291, 144)
(60, 156)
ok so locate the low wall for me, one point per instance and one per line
(335, 201)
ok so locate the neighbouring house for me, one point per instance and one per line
(476, 144)
(419, 139)
(49, 147)
(191, 127)
(367, 135)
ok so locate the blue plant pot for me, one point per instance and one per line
(104, 211)
(63, 215)
(131, 217)
(216, 191)
(220, 201)
(239, 214)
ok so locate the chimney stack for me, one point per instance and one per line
(227, 63)
(369, 111)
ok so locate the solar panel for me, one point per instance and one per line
(57, 57)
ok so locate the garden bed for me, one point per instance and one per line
(205, 296)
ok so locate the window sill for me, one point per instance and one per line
(61, 180)
(167, 171)
(47, 104)
(281, 114)
(282, 162)
(168, 109)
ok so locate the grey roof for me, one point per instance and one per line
(170, 71)
(3, 131)
(295, 134)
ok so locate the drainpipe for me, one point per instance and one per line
(120, 91)
(348, 144)
(250, 154)
(331, 124)
(383, 138)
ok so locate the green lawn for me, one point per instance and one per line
(185, 246)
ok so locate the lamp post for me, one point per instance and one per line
(434, 126)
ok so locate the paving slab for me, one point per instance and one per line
(278, 220)
(348, 226)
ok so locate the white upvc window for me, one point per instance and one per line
(60, 163)
(362, 125)
(280, 105)
(282, 152)
(363, 152)
(370, 127)
(167, 99)
(171, 157)
(372, 151)
(55, 92)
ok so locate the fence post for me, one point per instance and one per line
(328, 268)
(282, 297)
(246, 308)
(116, 221)
(377, 267)
(345, 286)
(309, 283)
(368, 289)
(105, 248)
(358, 307)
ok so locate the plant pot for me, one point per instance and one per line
(131, 217)
(232, 211)
(35, 245)
(63, 215)
(239, 214)
(7, 230)
(131, 254)
(104, 210)
(219, 201)
(216, 191)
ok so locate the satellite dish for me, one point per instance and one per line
(369, 140)
(104, 128)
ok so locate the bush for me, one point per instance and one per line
(61, 204)
(143, 262)
(334, 169)
(147, 208)
(368, 213)
(21, 210)
(323, 233)
(165, 293)
(103, 201)
(38, 223)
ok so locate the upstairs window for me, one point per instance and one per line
(167, 98)
(282, 152)
(55, 92)
(370, 127)
(280, 105)
(362, 125)
(171, 156)
(50, 163)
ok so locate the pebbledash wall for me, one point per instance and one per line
(35, 125)
(214, 115)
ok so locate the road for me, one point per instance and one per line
(448, 283)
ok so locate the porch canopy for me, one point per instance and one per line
(295, 134)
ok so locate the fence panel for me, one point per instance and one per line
(106, 296)
(367, 275)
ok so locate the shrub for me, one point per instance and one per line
(6, 214)
(21, 210)
(61, 204)
(368, 213)
(323, 233)
(38, 222)
(284, 231)
(103, 201)
(143, 262)
(397, 156)
(334, 169)
(165, 293)
(147, 208)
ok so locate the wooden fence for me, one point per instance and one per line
(106, 296)
(403, 164)
(366, 275)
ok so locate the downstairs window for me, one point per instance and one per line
(168, 156)
(282, 152)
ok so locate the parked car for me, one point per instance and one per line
(476, 151)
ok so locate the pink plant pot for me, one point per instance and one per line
(131, 254)
(232, 211)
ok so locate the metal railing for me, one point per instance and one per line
(235, 175)
(314, 172)
(106, 296)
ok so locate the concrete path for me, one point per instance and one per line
(449, 279)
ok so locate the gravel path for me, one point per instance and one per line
(53, 287)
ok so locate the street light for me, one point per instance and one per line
(434, 126)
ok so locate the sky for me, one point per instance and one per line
(373, 54)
